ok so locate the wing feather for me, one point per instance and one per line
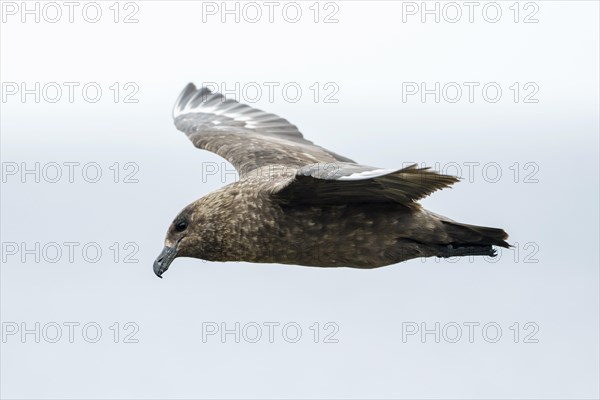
(347, 183)
(247, 137)
(253, 140)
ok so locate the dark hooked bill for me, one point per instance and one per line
(164, 259)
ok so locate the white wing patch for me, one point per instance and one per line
(366, 174)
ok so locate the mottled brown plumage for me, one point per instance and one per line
(297, 203)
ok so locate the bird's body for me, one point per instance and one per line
(244, 221)
(297, 203)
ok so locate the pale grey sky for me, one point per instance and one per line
(528, 156)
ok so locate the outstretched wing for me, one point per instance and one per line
(342, 183)
(246, 137)
(250, 139)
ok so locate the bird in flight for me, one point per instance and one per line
(298, 203)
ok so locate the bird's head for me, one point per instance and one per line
(183, 238)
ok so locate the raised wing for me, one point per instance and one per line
(246, 137)
(342, 183)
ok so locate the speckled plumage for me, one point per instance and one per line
(297, 203)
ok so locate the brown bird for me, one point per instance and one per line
(298, 203)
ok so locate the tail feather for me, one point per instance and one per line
(465, 235)
(461, 251)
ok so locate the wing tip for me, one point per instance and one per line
(183, 98)
(192, 100)
(430, 175)
(427, 179)
(189, 93)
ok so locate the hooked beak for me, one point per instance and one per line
(164, 259)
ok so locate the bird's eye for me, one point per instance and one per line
(180, 226)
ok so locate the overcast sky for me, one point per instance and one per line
(94, 171)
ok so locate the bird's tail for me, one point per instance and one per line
(472, 240)
(475, 235)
